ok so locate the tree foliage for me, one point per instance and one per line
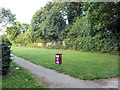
(102, 14)
(24, 38)
(13, 31)
(48, 23)
(86, 26)
(103, 18)
(16, 29)
(5, 52)
(6, 17)
(53, 25)
(73, 10)
(79, 35)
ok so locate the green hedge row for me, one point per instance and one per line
(80, 38)
(5, 55)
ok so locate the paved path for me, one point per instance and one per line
(60, 80)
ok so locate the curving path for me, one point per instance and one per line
(59, 80)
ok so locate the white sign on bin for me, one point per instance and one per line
(57, 59)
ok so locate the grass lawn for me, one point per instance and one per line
(83, 65)
(19, 78)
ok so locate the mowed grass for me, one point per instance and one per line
(83, 65)
(19, 78)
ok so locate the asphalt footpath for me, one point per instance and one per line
(54, 79)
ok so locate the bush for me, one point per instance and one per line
(79, 35)
(80, 38)
(34, 45)
(22, 39)
(5, 54)
(57, 46)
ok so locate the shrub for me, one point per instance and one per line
(79, 35)
(80, 38)
(57, 46)
(5, 55)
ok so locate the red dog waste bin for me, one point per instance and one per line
(58, 58)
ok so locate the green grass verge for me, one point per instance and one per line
(19, 78)
(83, 65)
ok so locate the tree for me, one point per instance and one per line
(53, 26)
(49, 6)
(74, 10)
(97, 29)
(25, 27)
(23, 38)
(13, 31)
(103, 18)
(37, 19)
(48, 23)
(79, 35)
(6, 17)
(102, 15)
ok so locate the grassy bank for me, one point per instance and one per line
(19, 78)
(83, 65)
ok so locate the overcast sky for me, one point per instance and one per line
(24, 9)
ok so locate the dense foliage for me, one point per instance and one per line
(104, 18)
(86, 26)
(5, 51)
(15, 30)
(101, 30)
(79, 35)
(6, 17)
(48, 24)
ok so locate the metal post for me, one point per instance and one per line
(59, 67)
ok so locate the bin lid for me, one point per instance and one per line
(58, 54)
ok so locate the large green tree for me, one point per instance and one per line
(25, 27)
(48, 23)
(103, 16)
(79, 35)
(13, 31)
(38, 18)
(53, 26)
(102, 33)
(71, 10)
(6, 17)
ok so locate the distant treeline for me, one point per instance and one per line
(86, 26)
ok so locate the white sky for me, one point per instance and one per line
(24, 9)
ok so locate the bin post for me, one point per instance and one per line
(58, 60)
(59, 67)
